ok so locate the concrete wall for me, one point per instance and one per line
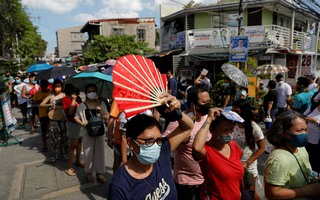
(202, 20)
(131, 29)
(69, 40)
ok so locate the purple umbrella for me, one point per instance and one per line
(110, 63)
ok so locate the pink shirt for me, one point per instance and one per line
(186, 170)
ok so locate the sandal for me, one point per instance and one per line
(31, 132)
(80, 164)
(101, 178)
(89, 178)
(45, 149)
(71, 172)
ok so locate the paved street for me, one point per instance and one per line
(26, 174)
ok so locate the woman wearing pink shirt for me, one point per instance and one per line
(186, 171)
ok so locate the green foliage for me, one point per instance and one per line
(18, 36)
(192, 4)
(102, 48)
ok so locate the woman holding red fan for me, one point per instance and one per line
(147, 174)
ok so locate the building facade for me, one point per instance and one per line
(142, 28)
(278, 31)
(69, 41)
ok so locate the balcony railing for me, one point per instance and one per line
(269, 36)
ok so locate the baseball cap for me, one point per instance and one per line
(311, 74)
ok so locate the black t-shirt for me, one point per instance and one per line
(271, 96)
(229, 91)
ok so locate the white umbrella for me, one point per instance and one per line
(270, 69)
(235, 74)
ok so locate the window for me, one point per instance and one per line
(117, 31)
(141, 34)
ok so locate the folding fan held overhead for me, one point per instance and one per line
(137, 84)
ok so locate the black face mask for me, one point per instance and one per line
(204, 109)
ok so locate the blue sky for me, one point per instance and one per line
(51, 15)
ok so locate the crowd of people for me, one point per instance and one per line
(211, 155)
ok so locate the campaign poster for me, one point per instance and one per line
(238, 51)
(7, 114)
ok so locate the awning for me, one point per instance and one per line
(164, 53)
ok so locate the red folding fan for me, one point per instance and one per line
(137, 84)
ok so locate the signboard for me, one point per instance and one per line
(181, 39)
(7, 114)
(252, 86)
(238, 51)
(306, 63)
(255, 34)
(292, 64)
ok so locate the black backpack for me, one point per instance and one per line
(95, 126)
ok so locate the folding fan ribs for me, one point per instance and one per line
(137, 84)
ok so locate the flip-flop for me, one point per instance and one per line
(31, 132)
(71, 172)
(80, 164)
(90, 178)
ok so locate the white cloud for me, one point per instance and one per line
(57, 6)
(83, 17)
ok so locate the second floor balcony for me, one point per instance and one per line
(217, 40)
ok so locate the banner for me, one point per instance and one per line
(292, 64)
(238, 51)
(7, 114)
(255, 34)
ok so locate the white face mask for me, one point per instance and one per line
(92, 95)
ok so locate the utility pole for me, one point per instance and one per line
(239, 17)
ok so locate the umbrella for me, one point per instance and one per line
(270, 69)
(55, 72)
(102, 81)
(76, 59)
(235, 74)
(38, 67)
(110, 63)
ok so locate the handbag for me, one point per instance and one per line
(95, 126)
(56, 114)
(247, 180)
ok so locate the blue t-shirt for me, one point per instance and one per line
(158, 185)
(302, 101)
(172, 85)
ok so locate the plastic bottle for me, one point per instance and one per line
(268, 122)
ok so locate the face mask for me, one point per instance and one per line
(51, 81)
(224, 139)
(204, 109)
(300, 140)
(34, 82)
(92, 95)
(18, 81)
(225, 84)
(148, 155)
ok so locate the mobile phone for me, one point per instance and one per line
(204, 71)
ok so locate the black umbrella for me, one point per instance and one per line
(55, 72)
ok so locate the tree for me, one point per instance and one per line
(18, 36)
(102, 48)
(192, 4)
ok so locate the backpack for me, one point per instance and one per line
(95, 126)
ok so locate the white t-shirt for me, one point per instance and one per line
(312, 86)
(283, 89)
(18, 90)
(313, 129)
(240, 138)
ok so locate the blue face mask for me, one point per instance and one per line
(51, 80)
(18, 81)
(224, 139)
(300, 140)
(148, 155)
(34, 82)
(225, 84)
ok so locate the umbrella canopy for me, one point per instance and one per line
(38, 67)
(111, 62)
(55, 72)
(235, 74)
(102, 81)
(270, 69)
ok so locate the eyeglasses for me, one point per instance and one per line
(149, 142)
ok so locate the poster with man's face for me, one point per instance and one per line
(238, 51)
